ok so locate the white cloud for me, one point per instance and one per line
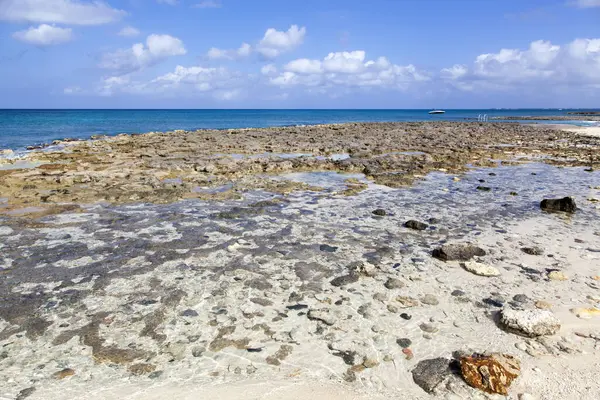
(574, 64)
(44, 35)
(275, 42)
(349, 70)
(218, 82)
(129, 31)
(268, 70)
(70, 12)
(72, 90)
(228, 95)
(208, 4)
(271, 45)
(243, 51)
(157, 49)
(586, 3)
(112, 84)
(304, 66)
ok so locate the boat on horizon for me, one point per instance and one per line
(437, 112)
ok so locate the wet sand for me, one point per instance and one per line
(294, 288)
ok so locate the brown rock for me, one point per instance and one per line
(64, 373)
(543, 305)
(492, 373)
(141, 368)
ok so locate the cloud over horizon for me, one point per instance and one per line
(68, 12)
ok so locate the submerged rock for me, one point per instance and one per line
(344, 280)
(557, 276)
(492, 374)
(566, 204)
(416, 225)
(533, 251)
(380, 212)
(480, 269)
(393, 283)
(530, 323)
(586, 313)
(324, 316)
(428, 374)
(457, 252)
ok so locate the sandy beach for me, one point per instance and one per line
(345, 261)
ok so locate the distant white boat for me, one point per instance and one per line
(437, 112)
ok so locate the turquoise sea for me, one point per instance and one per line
(21, 128)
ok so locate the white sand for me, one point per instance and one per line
(582, 130)
(561, 366)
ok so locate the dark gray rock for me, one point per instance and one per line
(532, 251)
(458, 293)
(23, 394)
(405, 316)
(416, 225)
(457, 252)
(380, 212)
(297, 307)
(327, 248)
(189, 313)
(428, 374)
(344, 280)
(261, 301)
(566, 204)
(393, 283)
(520, 298)
(404, 342)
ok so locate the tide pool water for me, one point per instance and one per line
(21, 128)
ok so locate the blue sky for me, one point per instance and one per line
(299, 54)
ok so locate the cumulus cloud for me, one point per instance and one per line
(576, 63)
(243, 51)
(208, 4)
(275, 42)
(139, 56)
(272, 44)
(44, 35)
(269, 70)
(129, 31)
(349, 70)
(70, 12)
(586, 3)
(218, 82)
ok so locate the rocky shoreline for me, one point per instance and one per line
(393, 260)
(166, 167)
(572, 117)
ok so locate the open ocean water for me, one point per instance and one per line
(21, 128)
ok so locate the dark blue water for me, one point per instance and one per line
(20, 128)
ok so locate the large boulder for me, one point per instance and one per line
(492, 373)
(457, 252)
(566, 204)
(530, 323)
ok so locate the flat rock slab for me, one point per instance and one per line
(530, 323)
(480, 269)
